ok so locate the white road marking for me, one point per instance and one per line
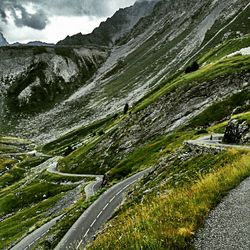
(112, 199)
(86, 232)
(92, 224)
(99, 214)
(105, 207)
(79, 244)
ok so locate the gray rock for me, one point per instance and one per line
(236, 132)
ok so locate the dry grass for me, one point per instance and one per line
(170, 222)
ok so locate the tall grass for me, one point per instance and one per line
(171, 221)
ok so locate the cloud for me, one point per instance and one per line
(96, 8)
(19, 13)
(37, 21)
(17, 17)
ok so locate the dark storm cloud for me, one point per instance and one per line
(37, 21)
(99, 8)
(44, 9)
(21, 16)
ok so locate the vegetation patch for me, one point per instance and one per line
(220, 127)
(24, 221)
(73, 138)
(221, 110)
(226, 48)
(170, 220)
(223, 67)
(29, 195)
(149, 154)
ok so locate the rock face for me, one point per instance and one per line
(237, 132)
(3, 41)
(114, 28)
(45, 75)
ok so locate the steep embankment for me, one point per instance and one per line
(35, 77)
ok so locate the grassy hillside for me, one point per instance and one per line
(29, 195)
(168, 217)
(95, 157)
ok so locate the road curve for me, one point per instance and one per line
(97, 214)
(28, 242)
(90, 189)
(215, 142)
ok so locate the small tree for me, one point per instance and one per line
(126, 108)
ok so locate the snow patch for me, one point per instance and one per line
(243, 52)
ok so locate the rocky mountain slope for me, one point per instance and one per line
(159, 44)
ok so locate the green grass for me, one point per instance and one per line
(6, 163)
(170, 219)
(16, 171)
(74, 137)
(32, 194)
(221, 110)
(13, 175)
(224, 49)
(149, 154)
(211, 71)
(25, 220)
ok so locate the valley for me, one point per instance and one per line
(78, 169)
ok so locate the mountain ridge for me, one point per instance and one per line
(113, 28)
(3, 41)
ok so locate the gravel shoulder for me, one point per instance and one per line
(228, 225)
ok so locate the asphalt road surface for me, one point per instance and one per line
(97, 214)
(28, 242)
(228, 225)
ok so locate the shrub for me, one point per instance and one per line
(126, 108)
(192, 68)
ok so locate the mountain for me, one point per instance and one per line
(120, 69)
(38, 43)
(34, 43)
(3, 41)
(138, 110)
(113, 28)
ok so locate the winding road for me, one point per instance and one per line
(90, 189)
(92, 219)
(88, 224)
(86, 227)
(29, 241)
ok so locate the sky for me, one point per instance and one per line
(52, 20)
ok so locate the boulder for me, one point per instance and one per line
(237, 132)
